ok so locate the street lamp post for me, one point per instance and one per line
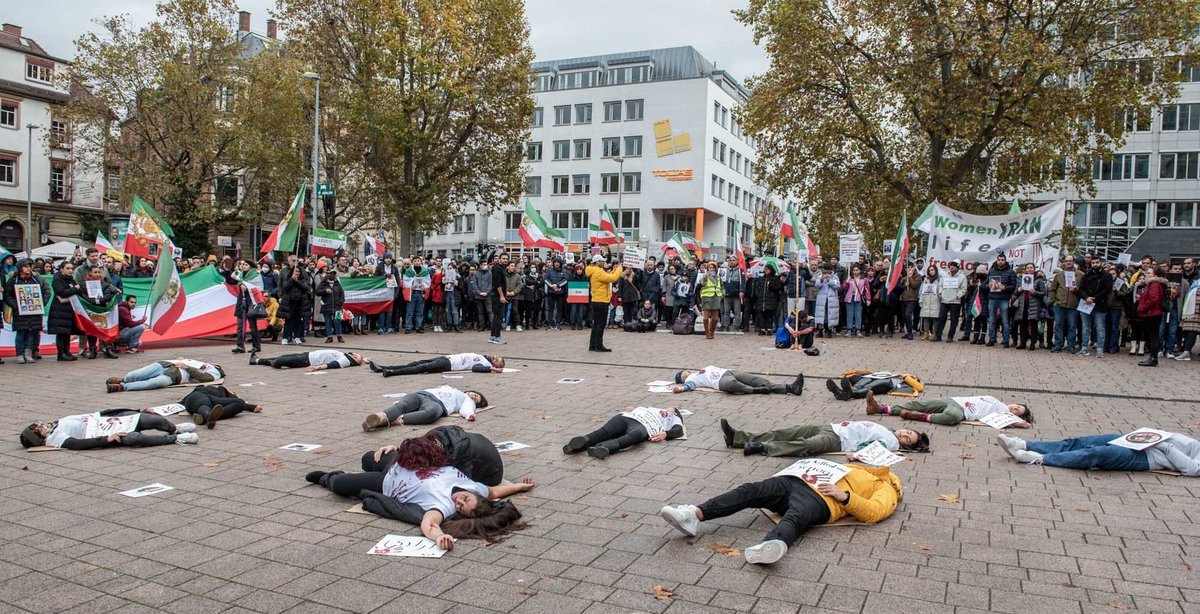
(620, 191)
(29, 194)
(316, 159)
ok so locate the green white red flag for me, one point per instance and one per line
(99, 321)
(899, 253)
(535, 232)
(147, 231)
(328, 242)
(675, 246)
(286, 235)
(167, 296)
(737, 244)
(604, 233)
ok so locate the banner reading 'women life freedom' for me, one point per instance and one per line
(1033, 236)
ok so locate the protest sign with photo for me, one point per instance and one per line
(407, 545)
(816, 471)
(1141, 439)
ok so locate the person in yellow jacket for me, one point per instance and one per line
(869, 494)
(600, 280)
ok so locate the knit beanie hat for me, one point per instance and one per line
(679, 377)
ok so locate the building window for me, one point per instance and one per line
(581, 184)
(633, 183)
(721, 191)
(9, 110)
(533, 186)
(225, 98)
(59, 136)
(735, 127)
(533, 151)
(716, 112)
(714, 190)
(716, 153)
(1178, 165)
(730, 233)
(735, 195)
(633, 147)
(512, 224)
(1181, 117)
(226, 192)
(536, 120)
(562, 150)
(543, 83)
(464, 223)
(583, 113)
(112, 187)
(561, 185)
(577, 80)
(562, 115)
(612, 111)
(611, 147)
(1139, 215)
(39, 70)
(629, 220)
(629, 74)
(583, 149)
(634, 109)
(8, 169)
(609, 184)
(60, 182)
(678, 222)
(574, 223)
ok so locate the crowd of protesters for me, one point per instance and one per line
(1146, 307)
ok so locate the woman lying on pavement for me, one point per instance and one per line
(949, 411)
(627, 429)
(164, 373)
(70, 432)
(316, 360)
(451, 504)
(869, 494)
(826, 438)
(208, 404)
(1175, 453)
(475, 363)
(426, 406)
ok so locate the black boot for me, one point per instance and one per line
(600, 451)
(754, 447)
(576, 445)
(833, 388)
(1151, 361)
(797, 387)
(727, 432)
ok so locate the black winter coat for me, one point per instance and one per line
(332, 296)
(61, 320)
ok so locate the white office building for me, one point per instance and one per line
(650, 134)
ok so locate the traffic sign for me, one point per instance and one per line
(325, 189)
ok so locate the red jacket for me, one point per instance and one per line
(125, 316)
(437, 293)
(1149, 302)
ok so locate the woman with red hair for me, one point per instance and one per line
(415, 483)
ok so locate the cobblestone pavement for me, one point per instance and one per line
(242, 531)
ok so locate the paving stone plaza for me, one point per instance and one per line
(243, 532)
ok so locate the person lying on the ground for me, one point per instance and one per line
(733, 382)
(70, 432)
(426, 406)
(796, 332)
(316, 360)
(627, 429)
(471, 453)
(868, 494)
(208, 404)
(1176, 453)
(856, 384)
(166, 373)
(949, 411)
(453, 505)
(476, 363)
(816, 439)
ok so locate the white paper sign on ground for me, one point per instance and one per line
(571, 380)
(1000, 420)
(1141, 439)
(770, 349)
(395, 395)
(877, 455)
(300, 447)
(103, 426)
(316, 372)
(660, 382)
(170, 409)
(407, 545)
(452, 377)
(509, 446)
(659, 389)
(252, 384)
(146, 491)
(507, 370)
(816, 471)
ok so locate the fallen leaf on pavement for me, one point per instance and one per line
(723, 549)
(925, 547)
(25, 468)
(965, 445)
(949, 498)
(661, 593)
(272, 461)
(966, 455)
(323, 452)
(1117, 605)
(1082, 509)
(210, 464)
(1183, 563)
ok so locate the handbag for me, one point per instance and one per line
(256, 311)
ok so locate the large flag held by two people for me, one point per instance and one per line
(286, 235)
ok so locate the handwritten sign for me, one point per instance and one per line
(1141, 439)
(1000, 420)
(878, 456)
(816, 471)
(407, 545)
(634, 257)
(103, 426)
(29, 299)
(146, 491)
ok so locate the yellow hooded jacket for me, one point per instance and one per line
(874, 494)
(601, 282)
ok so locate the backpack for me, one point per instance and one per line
(685, 324)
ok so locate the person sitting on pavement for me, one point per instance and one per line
(817, 439)
(426, 406)
(316, 360)
(453, 505)
(796, 332)
(1094, 452)
(949, 411)
(733, 382)
(70, 432)
(855, 384)
(868, 494)
(475, 363)
(131, 329)
(627, 429)
(165, 373)
(208, 404)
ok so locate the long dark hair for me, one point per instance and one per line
(422, 455)
(490, 521)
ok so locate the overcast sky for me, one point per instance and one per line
(559, 28)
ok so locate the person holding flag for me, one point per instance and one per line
(167, 295)
(246, 309)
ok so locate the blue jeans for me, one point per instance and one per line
(148, 377)
(1090, 452)
(854, 316)
(1168, 331)
(1094, 323)
(1112, 334)
(1001, 305)
(453, 319)
(27, 341)
(1064, 319)
(386, 322)
(578, 314)
(333, 325)
(132, 337)
(414, 314)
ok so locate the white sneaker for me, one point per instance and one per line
(519, 329)
(185, 427)
(1025, 456)
(437, 329)
(299, 342)
(765, 553)
(284, 342)
(1010, 445)
(507, 329)
(21, 359)
(682, 517)
(187, 437)
(1183, 356)
(1168, 355)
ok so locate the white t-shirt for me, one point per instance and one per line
(432, 493)
(453, 399)
(1179, 453)
(464, 362)
(855, 434)
(975, 408)
(708, 377)
(198, 365)
(68, 427)
(323, 357)
(655, 420)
